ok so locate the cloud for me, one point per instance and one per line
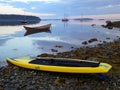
(27, 1)
(109, 6)
(8, 9)
(87, 1)
(33, 8)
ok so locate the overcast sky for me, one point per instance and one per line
(57, 8)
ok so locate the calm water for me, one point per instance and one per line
(13, 43)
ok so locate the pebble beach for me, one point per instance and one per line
(16, 78)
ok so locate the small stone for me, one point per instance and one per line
(92, 40)
(1, 88)
(85, 42)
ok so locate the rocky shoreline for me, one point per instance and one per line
(16, 78)
(24, 79)
(111, 25)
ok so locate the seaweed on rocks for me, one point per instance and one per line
(16, 78)
(24, 79)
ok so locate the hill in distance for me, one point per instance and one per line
(6, 19)
(83, 19)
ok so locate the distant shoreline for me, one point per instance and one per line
(18, 19)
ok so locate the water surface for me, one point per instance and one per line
(13, 43)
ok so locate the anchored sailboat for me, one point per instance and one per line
(65, 19)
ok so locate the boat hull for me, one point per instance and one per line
(102, 68)
(39, 28)
(33, 30)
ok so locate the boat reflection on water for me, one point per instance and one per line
(33, 30)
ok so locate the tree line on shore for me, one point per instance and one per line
(6, 19)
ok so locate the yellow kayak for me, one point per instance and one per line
(65, 65)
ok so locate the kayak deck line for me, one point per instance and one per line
(61, 65)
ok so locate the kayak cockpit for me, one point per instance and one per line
(68, 63)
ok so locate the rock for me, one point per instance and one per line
(110, 24)
(85, 42)
(1, 88)
(10, 88)
(92, 40)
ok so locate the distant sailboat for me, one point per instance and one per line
(65, 19)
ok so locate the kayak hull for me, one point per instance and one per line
(102, 68)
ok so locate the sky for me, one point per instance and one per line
(48, 9)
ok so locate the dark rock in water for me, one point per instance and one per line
(85, 42)
(92, 40)
(107, 38)
(110, 24)
(93, 24)
(104, 42)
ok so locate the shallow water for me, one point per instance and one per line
(13, 43)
